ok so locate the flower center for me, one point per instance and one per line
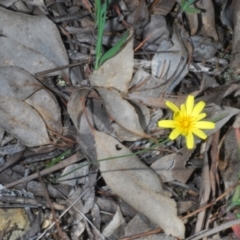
(185, 123)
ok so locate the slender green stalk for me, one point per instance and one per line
(58, 159)
(111, 158)
(101, 13)
(186, 6)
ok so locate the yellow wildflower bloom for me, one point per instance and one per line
(186, 121)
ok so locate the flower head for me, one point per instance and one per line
(186, 121)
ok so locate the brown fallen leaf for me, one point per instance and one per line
(137, 184)
(33, 33)
(121, 111)
(22, 121)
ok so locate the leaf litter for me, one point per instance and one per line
(83, 85)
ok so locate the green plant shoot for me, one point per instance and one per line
(58, 159)
(101, 12)
(115, 49)
(186, 6)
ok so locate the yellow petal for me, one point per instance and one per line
(174, 134)
(190, 140)
(200, 116)
(183, 110)
(189, 104)
(167, 124)
(199, 133)
(198, 108)
(205, 125)
(184, 132)
(172, 106)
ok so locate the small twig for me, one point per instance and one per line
(141, 235)
(46, 195)
(214, 230)
(142, 43)
(73, 159)
(211, 203)
(69, 17)
(40, 74)
(21, 202)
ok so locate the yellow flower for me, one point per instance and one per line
(186, 121)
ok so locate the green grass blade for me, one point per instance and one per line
(115, 49)
(219, 118)
(111, 158)
(101, 12)
(192, 10)
(58, 159)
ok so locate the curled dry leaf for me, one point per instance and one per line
(173, 166)
(19, 84)
(74, 174)
(75, 108)
(115, 228)
(38, 34)
(136, 184)
(117, 71)
(22, 121)
(155, 32)
(47, 106)
(121, 111)
(144, 84)
(208, 26)
(171, 65)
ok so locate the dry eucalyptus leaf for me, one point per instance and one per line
(222, 113)
(137, 184)
(140, 224)
(123, 134)
(204, 47)
(74, 106)
(172, 166)
(117, 71)
(208, 26)
(78, 115)
(38, 34)
(23, 122)
(47, 106)
(15, 54)
(171, 65)
(75, 174)
(115, 228)
(99, 115)
(145, 84)
(7, 3)
(157, 101)
(231, 163)
(17, 83)
(121, 111)
(155, 32)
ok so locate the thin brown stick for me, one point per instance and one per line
(40, 74)
(215, 230)
(73, 159)
(141, 235)
(211, 203)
